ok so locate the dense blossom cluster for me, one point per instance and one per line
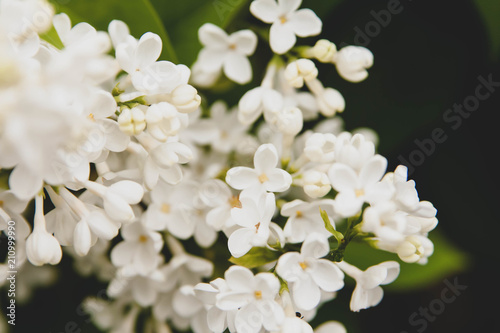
(124, 166)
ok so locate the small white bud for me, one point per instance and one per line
(415, 248)
(330, 102)
(352, 62)
(289, 121)
(324, 50)
(132, 121)
(185, 98)
(319, 147)
(299, 71)
(316, 183)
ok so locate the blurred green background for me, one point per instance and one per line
(428, 57)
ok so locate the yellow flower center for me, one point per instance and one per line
(165, 208)
(263, 178)
(234, 202)
(303, 265)
(258, 294)
(359, 193)
(143, 239)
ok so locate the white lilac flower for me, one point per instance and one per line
(304, 218)
(265, 176)
(139, 248)
(287, 22)
(253, 297)
(406, 195)
(218, 320)
(254, 218)
(226, 52)
(368, 292)
(221, 131)
(163, 163)
(191, 309)
(144, 289)
(356, 188)
(257, 101)
(307, 273)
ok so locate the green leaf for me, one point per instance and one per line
(490, 12)
(328, 225)
(256, 257)
(139, 15)
(446, 261)
(52, 37)
(183, 19)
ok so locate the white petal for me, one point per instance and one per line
(281, 37)
(101, 226)
(118, 31)
(266, 158)
(265, 10)
(328, 276)
(143, 292)
(278, 180)
(62, 24)
(343, 178)
(305, 23)
(212, 36)
(24, 183)
(130, 191)
(245, 41)
(331, 327)
(306, 293)
(287, 264)
(362, 298)
(116, 139)
(122, 253)
(315, 246)
(240, 178)
(288, 6)
(82, 238)
(148, 50)
(211, 60)
(237, 67)
(239, 242)
(216, 319)
(373, 170)
(239, 278)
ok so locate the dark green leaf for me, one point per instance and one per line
(490, 11)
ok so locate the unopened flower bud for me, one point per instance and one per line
(352, 62)
(289, 121)
(162, 120)
(415, 248)
(41, 246)
(299, 71)
(132, 121)
(185, 98)
(324, 50)
(319, 147)
(330, 102)
(316, 183)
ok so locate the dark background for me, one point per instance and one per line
(427, 58)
